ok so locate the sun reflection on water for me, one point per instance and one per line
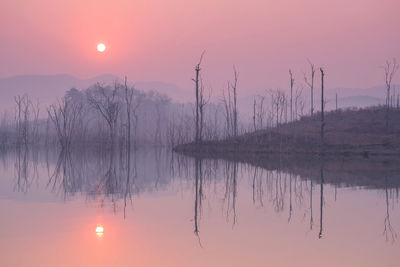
(100, 230)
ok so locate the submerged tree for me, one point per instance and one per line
(197, 89)
(26, 120)
(390, 69)
(229, 100)
(203, 101)
(233, 85)
(105, 100)
(311, 85)
(322, 108)
(65, 115)
(291, 94)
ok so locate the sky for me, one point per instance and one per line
(161, 40)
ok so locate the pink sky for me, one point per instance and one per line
(162, 40)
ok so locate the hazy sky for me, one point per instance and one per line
(162, 39)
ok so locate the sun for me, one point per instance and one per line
(101, 47)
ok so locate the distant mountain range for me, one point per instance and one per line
(47, 88)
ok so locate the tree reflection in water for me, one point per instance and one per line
(118, 177)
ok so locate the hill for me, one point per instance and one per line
(349, 132)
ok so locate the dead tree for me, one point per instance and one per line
(259, 112)
(298, 103)
(105, 100)
(21, 119)
(390, 70)
(322, 108)
(161, 101)
(128, 103)
(311, 85)
(227, 103)
(254, 114)
(133, 99)
(291, 94)
(278, 99)
(197, 88)
(35, 123)
(233, 85)
(336, 103)
(229, 100)
(203, 101)
(26, 120)
(64, 116)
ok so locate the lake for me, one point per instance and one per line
(154, 207)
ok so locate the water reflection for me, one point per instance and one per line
(288, 185)
(100, 230)
(389, 232)
(26, 167)
(321, 204)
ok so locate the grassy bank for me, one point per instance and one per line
(347, 132)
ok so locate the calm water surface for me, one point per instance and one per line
(162, 209)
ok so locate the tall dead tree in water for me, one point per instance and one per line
(197, 87)
(26, 120)
(128, 103)
(230, 105)
(233, 85)
(291, 94)
(22, 115)
(311, 85)
(105, 100)
(390, 69)
(133, 100)
(322, 108)
(254, 114)
(65, 115)
(336, 103)
(202, 103)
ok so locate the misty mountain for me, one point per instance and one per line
(360, 101)
(47, 88)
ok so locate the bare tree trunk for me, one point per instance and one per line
(106, 102)
(128, 103)
(322, 108)
(291, 94)
(64, 116)
(235, 112)
(196, 80)
(197, 102)
(336, 103)
(254, 115)
(311, 85)
(390, 69)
